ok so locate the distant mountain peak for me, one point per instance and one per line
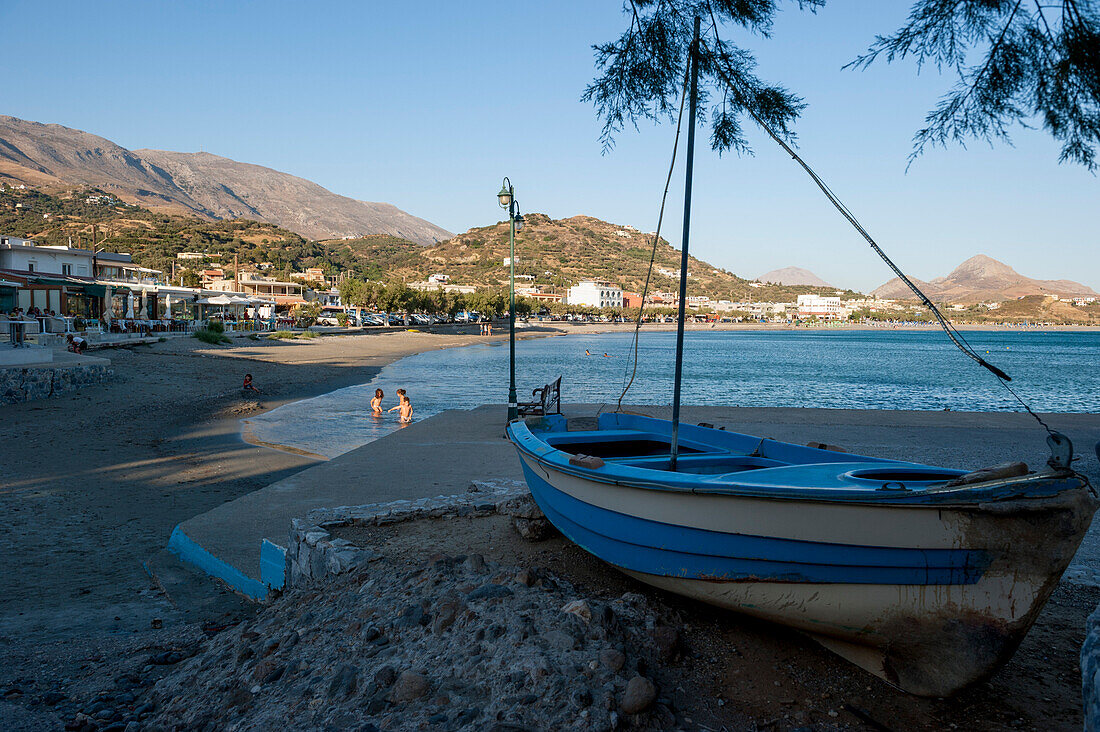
(982, 278)
(793, 276)
(199, 184)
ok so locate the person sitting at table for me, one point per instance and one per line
(76, 344)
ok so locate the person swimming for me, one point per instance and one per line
(405, 415)
(586, 352)
(376, 403)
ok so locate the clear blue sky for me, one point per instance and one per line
(428, 105)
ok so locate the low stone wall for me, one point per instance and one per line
(26, 384)
(312, 553)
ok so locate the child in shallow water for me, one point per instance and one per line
(376, 403)
(405, 407)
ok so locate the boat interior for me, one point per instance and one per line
(632, 441)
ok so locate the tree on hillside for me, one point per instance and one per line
(1015, 62)
(189, 278)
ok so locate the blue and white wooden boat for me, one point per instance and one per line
(928, 585)
(924, 579)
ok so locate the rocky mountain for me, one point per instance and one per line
(206, 186)
(793, 276)
(980, 279)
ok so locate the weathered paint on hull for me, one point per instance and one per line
(977, 575)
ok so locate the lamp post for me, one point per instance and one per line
(508, 200)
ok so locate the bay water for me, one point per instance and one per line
(1054, 371)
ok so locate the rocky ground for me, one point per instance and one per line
(518, 635)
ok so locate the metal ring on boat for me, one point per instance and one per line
(893, 485)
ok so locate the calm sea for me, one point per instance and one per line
(877, 369)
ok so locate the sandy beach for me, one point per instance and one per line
(105, 473)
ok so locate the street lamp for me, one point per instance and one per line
(507, 198)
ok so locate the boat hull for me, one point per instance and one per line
(931, 598)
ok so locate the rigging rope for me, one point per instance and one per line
(948, 328)
(653, 250)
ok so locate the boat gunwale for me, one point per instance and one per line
(934, 495)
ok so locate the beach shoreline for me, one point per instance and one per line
(105, 473)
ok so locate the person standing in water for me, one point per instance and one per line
(406, 407)
(376, 403)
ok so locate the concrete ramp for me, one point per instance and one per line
(437, 456)
(241, 542)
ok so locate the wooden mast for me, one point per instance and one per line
(694, 60)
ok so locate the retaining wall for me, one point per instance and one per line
(19, 384)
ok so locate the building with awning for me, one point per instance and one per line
(285, 295)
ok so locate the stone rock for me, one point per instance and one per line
(639, 695)
(521, 507)
(612, 659)
(412, 616)
(445, 614)
(385, 676)
(343, 683)
(525, 577)
(489, 591)
(409, 685)
(533, 529)
(579, 608)
(474, 563)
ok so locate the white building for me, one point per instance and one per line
(27, 256)
(430, 285)
(822, 308)
(439, 279)
(596, 294)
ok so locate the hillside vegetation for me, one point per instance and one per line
(154, 238)
(558, 253)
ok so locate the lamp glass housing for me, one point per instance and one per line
(505, 197)
(519, 221)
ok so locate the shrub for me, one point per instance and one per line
(215, 326)
(280, 335)
(214, 338)
(307, 334)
